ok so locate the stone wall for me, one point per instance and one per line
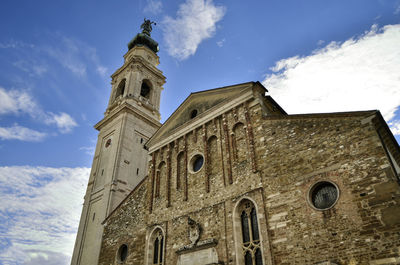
(272, 160)
(126, 225)
(297, 151)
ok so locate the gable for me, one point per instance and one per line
(202, 103)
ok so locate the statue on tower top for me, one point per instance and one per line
(144, 38)
(146, 26)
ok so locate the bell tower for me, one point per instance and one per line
(120, 161)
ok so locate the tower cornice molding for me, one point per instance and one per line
(126, 108)
(137, 59)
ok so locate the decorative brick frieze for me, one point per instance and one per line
(168, 188)
(227, 148)
(250, 136)
(153, 174)
(185, 175)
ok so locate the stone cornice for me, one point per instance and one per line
(125, 107)
(143, 62)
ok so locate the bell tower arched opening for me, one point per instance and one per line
(120, 89)
(145, 89)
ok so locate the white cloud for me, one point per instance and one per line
(31, 67)
(221, 42)
(18, 102)
(397, 8)
(17, 132)
(13, 44)
(75, 55)
(89, 150)
(40, 212)
(362, 73)
(15, 102)
(395, 127)
(153, 7)
(101, 70)
(196, 21)
(63, 121)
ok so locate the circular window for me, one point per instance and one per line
(193, 113)
(122, 253)
(323, 195)
(108, 143)
(197, 163)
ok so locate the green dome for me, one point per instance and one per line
(142, 39)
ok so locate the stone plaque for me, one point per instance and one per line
(199, 257)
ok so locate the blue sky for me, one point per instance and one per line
(56, 58)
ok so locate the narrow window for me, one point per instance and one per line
(122, 253)
(137, 171)
(158, 247)
(245, 227)
(157, 183)
(258, 257)
(247, 258)
(250, 234)
(254, 224)
(156, 252)
(179, 169)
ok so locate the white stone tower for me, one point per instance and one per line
(120, 160)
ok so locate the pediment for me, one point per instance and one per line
(202, 102)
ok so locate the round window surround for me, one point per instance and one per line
(196, 163)
(122, 253)
(193, 114)
(323, 195)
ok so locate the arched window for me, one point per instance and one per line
(145, 89)
(239, 142)
(160, 178)
(248, 241)
(214, 164)
(180, 164)
(156, 247)
(121, 88)
(122, 253)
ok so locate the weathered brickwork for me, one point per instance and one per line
(126, 226)
(255, 151)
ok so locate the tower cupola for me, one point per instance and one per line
(137, 84)
(144, 38)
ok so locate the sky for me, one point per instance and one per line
(56, 58)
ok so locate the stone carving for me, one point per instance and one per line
(194, 230)
(194, 233)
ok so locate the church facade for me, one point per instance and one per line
(231, 178)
